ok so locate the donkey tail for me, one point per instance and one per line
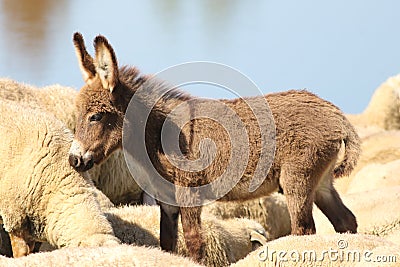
(352, 151)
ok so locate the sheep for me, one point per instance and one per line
(375, 176)
(227, 240)
(393, 233)
(5, 243)
(383, 110)
(120, 255)
(389, 231)
(113, 176)
(55, 98)
(271, 212)
(41, 196)
(324, 250)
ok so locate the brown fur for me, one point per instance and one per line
(309, 134)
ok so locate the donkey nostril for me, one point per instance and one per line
(89, 163)
(74, 161)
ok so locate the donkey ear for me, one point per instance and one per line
(84, 59)
(106, 63)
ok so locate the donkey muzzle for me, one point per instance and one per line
(81, 163)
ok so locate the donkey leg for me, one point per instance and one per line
(168, 227)
(191, 226)
(36, 247)
(5, 243)
(298, 190)
(21, 243)
(328, 201)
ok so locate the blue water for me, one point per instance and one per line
(341, 50)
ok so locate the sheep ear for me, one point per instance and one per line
(106, 63)
(84, 59)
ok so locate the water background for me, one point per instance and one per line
(342, 50)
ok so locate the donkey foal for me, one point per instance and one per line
(309, 134)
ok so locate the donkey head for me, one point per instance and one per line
(100, 105)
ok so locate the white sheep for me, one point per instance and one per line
(5, 243)
(271, 212)
(121, 255)
(55, 99)
(383, 110)
(324, 250)
(227, 240)
(113, 176)
(375, 176)
(41, 196)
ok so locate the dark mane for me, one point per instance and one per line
(154, 86)
(131, 77)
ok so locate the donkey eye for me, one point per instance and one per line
(96, 117)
